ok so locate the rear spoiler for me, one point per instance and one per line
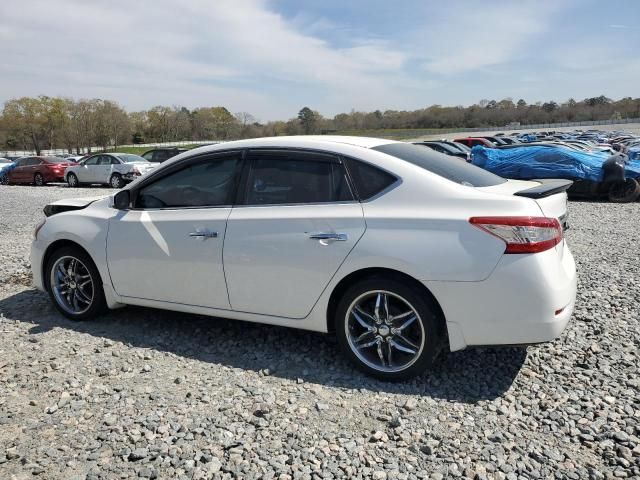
(545, 189)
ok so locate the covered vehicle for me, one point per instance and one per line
(594, 173)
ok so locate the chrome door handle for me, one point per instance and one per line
(339, 237)
(205, 234)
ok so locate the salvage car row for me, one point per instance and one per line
(114, 169)
(600, 164)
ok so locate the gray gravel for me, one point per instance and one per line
(156, 394)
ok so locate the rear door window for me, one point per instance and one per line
(292, 177)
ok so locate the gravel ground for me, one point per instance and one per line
(157, 394)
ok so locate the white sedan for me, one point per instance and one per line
(398, 250)
(115, 169)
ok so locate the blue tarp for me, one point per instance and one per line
(546, 162)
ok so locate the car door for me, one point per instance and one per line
(297, 223)
(17, 175)
(168, 246)
(85, 171)
(102, 170)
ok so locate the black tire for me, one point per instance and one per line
(4, 179)
(38, 180)
(98, 304)
(624, 192)
(429, 319)
(72, 180)
(116, 181)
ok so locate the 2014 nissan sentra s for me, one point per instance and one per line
(397, 250)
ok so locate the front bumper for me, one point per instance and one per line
(527, 299)
(36, 255)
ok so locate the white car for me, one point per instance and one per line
(115, 169)
(396, 249)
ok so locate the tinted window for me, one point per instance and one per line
(162, 155)
(292, 177)
(459, 172)
(92, 160)
(56, 160)
(104, 160)
(148, 156)
(34, 161)
(369, 180)
(207, 183)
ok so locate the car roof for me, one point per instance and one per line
(297, 141)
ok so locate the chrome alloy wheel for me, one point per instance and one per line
(384, 331)
(72, 285)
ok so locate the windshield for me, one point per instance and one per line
(453, 170)
(4, 160)
(130, 158)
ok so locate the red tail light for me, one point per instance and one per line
(522, 234)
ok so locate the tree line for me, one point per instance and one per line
(39, 123)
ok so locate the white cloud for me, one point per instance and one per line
(197, 52)
(467, 37)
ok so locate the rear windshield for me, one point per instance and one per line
(130, 158)
(451, 169)
(56, 160)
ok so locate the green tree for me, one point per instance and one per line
(307, 118)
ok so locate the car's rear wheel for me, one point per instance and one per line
(388, 329)
(38, 179)
(116, 181)
(4, 179)
(72, 180)
(74, 284)
(624, 192)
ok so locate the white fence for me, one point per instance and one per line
(60, 151)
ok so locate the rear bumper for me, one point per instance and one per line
(527, 299)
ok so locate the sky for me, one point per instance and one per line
(273, 57)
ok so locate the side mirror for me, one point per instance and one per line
(122, 200)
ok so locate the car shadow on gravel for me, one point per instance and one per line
(468, 376)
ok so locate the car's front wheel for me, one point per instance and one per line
(72, 180)
(116, 181)
(74, 284)
(38, 180)
(388, 328)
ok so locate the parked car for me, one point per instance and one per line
(38, 170)
(5, 166)
(115, 169)
(445, 148)
(159, 155)
(387, 245)
(473, 141)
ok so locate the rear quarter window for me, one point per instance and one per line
(368, 180)
(454, 170)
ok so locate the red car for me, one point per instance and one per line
(38, 170)
(473, 141)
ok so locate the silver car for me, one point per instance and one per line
(115, 169)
